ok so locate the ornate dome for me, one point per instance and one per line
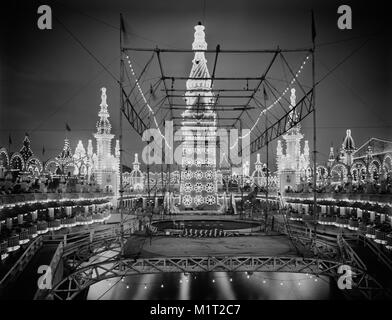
(348, 143)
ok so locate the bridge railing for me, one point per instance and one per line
(21, 263)
(381, 256)
(36, 197)
(349, 255)
(55, 268)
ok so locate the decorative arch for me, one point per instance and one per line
(4, 157)
(51, 166)
(322, 172)
(387, 163)
(339, 173)
(376, 163)
(69, 168)
(17, 162)
(358, 170)
(35, 162)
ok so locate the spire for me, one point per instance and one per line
(66, 153)
(103, 124)
(117, 148)
(292, 98)
(90, 148)
(348, 143)
(293, 117)
(258, 163)
(224, 163)
(306, 148)
(26, 151)
(279, 151)
(331, 154)
(80, 152)
(136, 163)
(199, 62)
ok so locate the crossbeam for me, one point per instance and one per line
(198, 96)
(276, 50)
(303, 108)
(81, 279)
(132, 115)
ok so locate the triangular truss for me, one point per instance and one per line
(258, 101)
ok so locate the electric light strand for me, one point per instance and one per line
(262, 279)
(294, 79)
(145, 100)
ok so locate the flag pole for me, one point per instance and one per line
(267, 161)
(9, 144)
(121, 137)
(315, 215)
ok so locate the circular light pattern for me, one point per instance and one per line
(210, 199)
(187, 175)
(199, 200)
(199, 175)
(209, 174)
(188, 187)
(187, 200)
(209, 187)
(198, 187)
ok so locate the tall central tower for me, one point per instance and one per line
(198, 185)
(106, 168)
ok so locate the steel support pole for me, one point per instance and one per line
(315, 214)
(120, 139)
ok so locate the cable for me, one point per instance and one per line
(342, 61)
(87, 50)
(108, 24)
(96, 76)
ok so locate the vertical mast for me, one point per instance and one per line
(315, 215)
(120, 137)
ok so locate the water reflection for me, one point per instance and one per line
(217, 286)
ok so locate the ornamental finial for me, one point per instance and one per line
(103, 97)
(292, 97)
(199, 42)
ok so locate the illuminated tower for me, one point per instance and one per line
(198, 171)
(292, 164)
(106, 168)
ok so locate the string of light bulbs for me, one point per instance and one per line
(145, 100)
(161, 284)
(294, 79)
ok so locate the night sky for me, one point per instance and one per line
(47, 79)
